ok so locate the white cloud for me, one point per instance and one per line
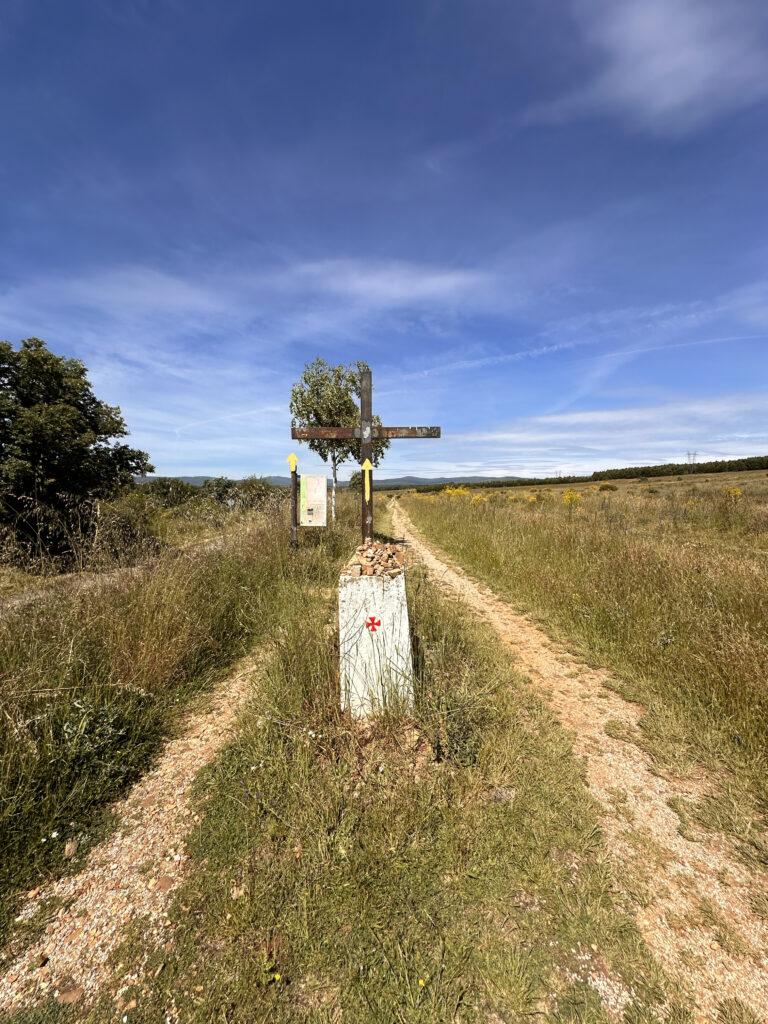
(670, 66)
(394, 284)
(582, 441)
(201, 361)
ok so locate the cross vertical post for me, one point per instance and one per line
(294, 508)
(366, 450)
(366, 433)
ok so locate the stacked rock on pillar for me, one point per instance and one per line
(374, 639)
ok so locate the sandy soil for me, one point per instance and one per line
(681, 880)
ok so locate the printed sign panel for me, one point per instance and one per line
(313, 501)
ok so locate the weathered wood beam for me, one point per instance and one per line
(353, 433)
(324, 433)
(406, 431)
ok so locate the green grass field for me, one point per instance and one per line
(442, 866)
(663, 581)
(93, 676)
(342, 872)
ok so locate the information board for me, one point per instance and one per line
(313, 501)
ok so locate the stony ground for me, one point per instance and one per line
(691, 896)
(132, 875)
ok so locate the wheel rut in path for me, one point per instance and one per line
(683, 880)
(131, 875)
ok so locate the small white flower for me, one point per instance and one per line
(44, 840)
(54, 835)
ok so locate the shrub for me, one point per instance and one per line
(168, 491)
(571, 498)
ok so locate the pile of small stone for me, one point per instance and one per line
(375, 560)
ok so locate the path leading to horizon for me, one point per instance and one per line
(690, 895)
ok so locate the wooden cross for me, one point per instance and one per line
(366, 432)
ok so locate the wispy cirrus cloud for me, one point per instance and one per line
(624, 332)
(193, 356)
(581, 441)
(382, 284)
(668, 66)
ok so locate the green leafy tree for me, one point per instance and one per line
(328, 396)
(356, 480)
(57, 447)
(169, 491)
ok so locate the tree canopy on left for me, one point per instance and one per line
(57, 442)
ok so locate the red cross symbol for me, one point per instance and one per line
(373, 623)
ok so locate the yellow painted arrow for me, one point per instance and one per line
(367, 467)
(292, 460)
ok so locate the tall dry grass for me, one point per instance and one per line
(445, 866)
(93, 673)
(667, 584)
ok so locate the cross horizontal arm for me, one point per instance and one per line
(405, 431)
(324, 433)
(353, 433)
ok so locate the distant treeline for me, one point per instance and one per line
(626, 473)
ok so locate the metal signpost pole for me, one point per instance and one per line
(293, 461)
(366, 450)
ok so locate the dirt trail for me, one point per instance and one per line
(691, 897)
(131, 875)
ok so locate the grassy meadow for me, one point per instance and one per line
(442, 865)
(94, 669)
(446, 865)
(666, 582)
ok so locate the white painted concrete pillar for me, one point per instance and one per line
(374, 644)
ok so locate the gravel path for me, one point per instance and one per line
(682, 880)
(131, 875)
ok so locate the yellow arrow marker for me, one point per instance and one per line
(367, 467)
(292, 460)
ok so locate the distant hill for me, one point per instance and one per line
(380, 483)
(421, 481)
(752, 462)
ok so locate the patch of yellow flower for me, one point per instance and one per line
(733, 494)
(571, 498)
(479, 499)
(456, 492)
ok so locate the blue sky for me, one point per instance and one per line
(544, 225)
